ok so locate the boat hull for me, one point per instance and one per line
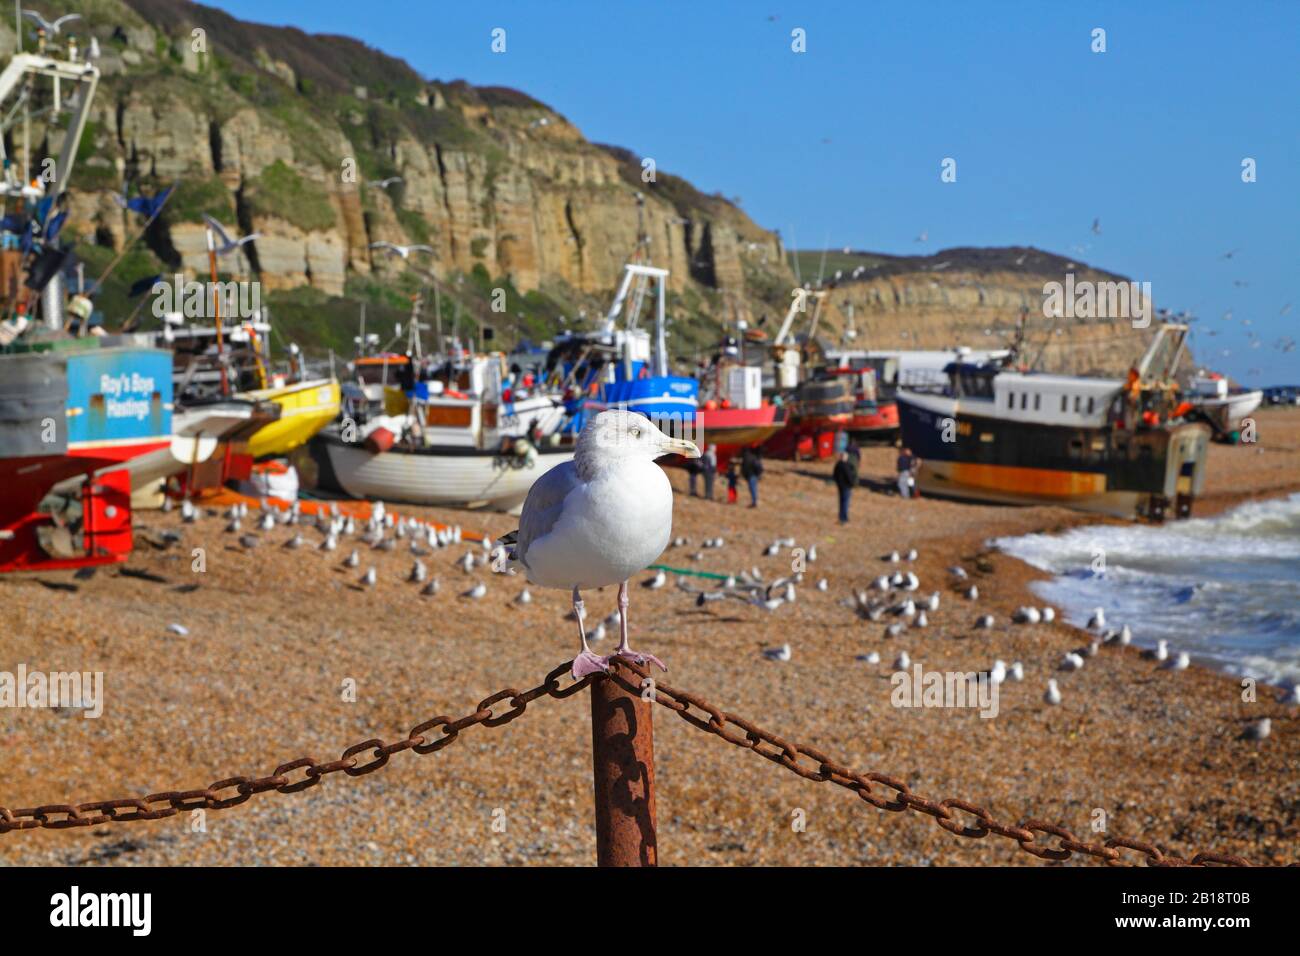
(305, 408)
(731, 428)
(449, 476)
(873, 421)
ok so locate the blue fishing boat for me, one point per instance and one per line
(623, 365)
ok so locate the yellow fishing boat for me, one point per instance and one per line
(305, 408)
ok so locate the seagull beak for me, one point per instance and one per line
(680, 446)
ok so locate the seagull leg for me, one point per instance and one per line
(586, 662)
(623, 649)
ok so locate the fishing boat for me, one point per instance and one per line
(1123, 447)
(79, 413)
(733, 414)
(1222, 406)
(818, 404)
(622, 364)
(466, 434)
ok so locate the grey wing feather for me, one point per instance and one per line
(542, 507)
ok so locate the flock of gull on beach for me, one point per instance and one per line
(893, 598)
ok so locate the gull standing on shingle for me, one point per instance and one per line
(600, 518)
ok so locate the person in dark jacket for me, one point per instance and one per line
(709, 469)
(846, 479)
(751, 469)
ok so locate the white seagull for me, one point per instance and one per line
(399, 250)
(51, 28)
(600, 518)
(1053, 696)
(225, 245)
(384, 183)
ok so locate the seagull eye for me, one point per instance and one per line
(636, 433)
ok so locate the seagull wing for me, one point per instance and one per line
(39, 20)
(64, 19)
(383, 244)
(216, 227)
(543, 506)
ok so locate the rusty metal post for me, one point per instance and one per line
(623, 773)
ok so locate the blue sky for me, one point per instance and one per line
(842, 144)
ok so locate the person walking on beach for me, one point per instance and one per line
(692, 473)
(709, 469)
(907, 466)
(846, 479)
(733, 479)
(751, 469)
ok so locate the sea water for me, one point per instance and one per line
(1224, 589)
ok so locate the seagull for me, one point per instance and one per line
(822, 584)
(932, 602)
(384, 183)
(781, 653)
(226, 245)
(431, 588)
(894, 630)
(600, 518)
(1161, 652)
(972, 593)
(1017, 671)
(1179, 663)
(882, 583)
(476, 592)
(399, 250)
(1290, 697)
(180, 629)
(524, 597)
(656, 582)
(902, 662)
(352, 560)
(50, 28)
(1071, 662)
(248, 541)
(912, 555)
(294, 543)
(958, 572)
(985, 622)
(998, 672)
(1048, 614)
(1098, 620)
(1027, 615)
(189, 514)
(1053, 696)
(368, 579)
(1258, 730)
(418, 572)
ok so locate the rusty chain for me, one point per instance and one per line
(981, 823)
(63, 816)
(751, 737)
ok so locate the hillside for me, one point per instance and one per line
(275, 131)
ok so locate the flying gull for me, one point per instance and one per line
(600, 518)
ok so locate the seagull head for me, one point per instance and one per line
(620, 435)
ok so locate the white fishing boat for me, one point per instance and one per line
(1222, 406)
(468, 436)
